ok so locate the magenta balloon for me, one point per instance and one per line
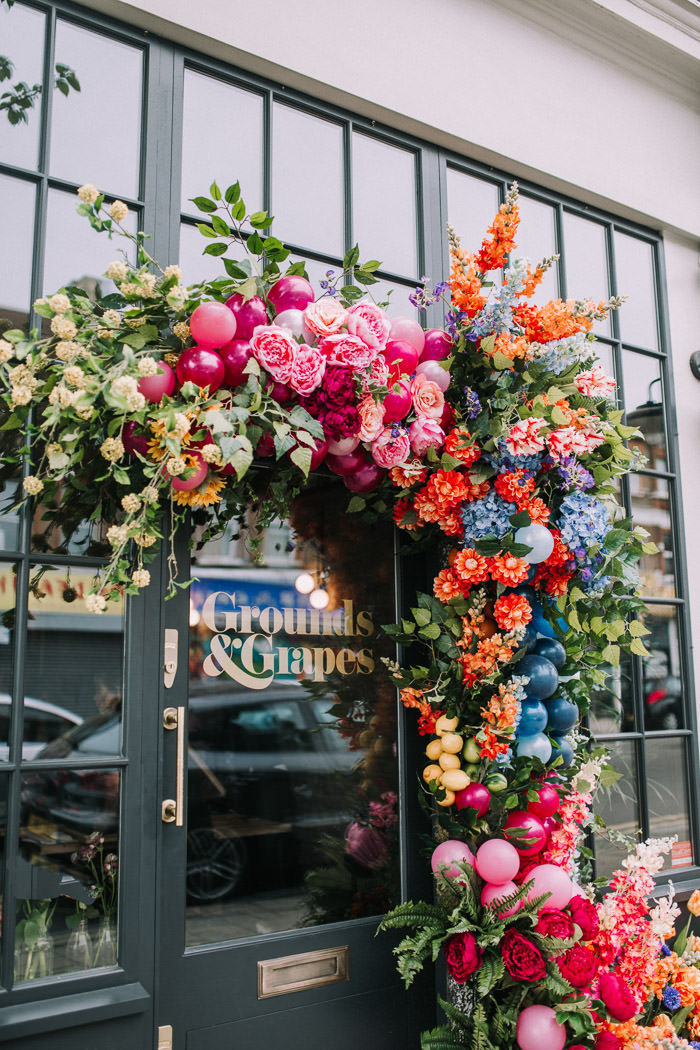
(291, 293)
(235, 356)
(365, 479)
(532, 825)
(341, 446)
(474, 796)
(550, 878)
(162, 383)
(550, 824)
(401, 358)
(134, 440)
(201, 366)
(185, 484)
(348, 464)
(281, 393)
(397, 406)
(438, 345)
(538, 1029)
(497, 861)
(493, 893)
(409, 331)
(448, 855)
(266, 445)
(435, 373)
(547, 802)
(248, 315)
(212, 325)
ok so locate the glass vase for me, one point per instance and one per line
(38, 959)
(79, 950)
(106, 943)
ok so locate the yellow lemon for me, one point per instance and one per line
(448, 761)
(432, 772)
(434, 750)
(452, 742)
(455, 779)
(445, 725)
(448, 800)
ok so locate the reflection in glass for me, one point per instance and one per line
(22, 34)
(661, 670)
(67, 872)
(4, 782)
(618, 805)
(75, 253)
(644, 403)
(227, 147)
(384, 204)
(667, 795)
(651, 508)
(612, 708)
(17, 225)
(536, 241)
(8, 587)
(586, 261)
(110, 74)
(307, 180)
(634, 265)
(472, 204)
(292, 725)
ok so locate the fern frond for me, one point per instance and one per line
(410, 914)
(442, 1038)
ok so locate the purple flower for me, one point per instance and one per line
(573, 475)
(472, 405)
(671, 998)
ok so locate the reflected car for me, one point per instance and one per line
(43, 722)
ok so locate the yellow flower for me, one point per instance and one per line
(88, 193)
(118, 211)
(207, 493)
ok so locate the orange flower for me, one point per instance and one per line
(500, 236)
(687, 984)
(693, 904)
(207, 493)
(471, 567)
(554, 581)
(465, 283)
(555, 320)
(510, 346)
(452, 524)
(405, 515)
(532, 280)
(507, 569)
(490, 746)
(537, 509)
(476, 490)
(404, 477)
(665, 1025)
(460, 445)
(447, 487)
(514, 487)
(447, 585)
(512, 611)
(426, 508)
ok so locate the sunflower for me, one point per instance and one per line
(208, 492)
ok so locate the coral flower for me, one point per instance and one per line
(448, 585)
(405, 516)
(460, 445)
(471, 567)
(515, 486)
(512, 611)
(507, 569)
(407, 475)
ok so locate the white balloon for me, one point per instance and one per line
(293, 321)
(343, 446)
(433, 371)
(539, 539)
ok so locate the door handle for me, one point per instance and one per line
(173, 809)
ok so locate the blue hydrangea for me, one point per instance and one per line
(503, 461)
(583, 520)
(671, 998)
(557, 355)
(489, 516)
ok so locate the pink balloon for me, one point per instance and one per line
(290, 293)
(547, 802)
(341, 446)
(474, 796)
(497, 861)
(435, 373)
(201, 366)
(550, 878)
(248, 315)
(235, 356)
(162, 383)
(212, 325)
(535, 835)
(538, 1029)
(437, 346)
(366, 479)
(409, 331)
(397, 406)
(200, 473)
(401, 357)
(447, 855)
(134, 440)
(347, 464)
(493, 893)
(293, 321)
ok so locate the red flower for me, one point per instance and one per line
(512, 611)
(578, 966)
(618, 999)
(523, 960)
(584, 915)
(554, 923)
(607, 1041)
(463, 956)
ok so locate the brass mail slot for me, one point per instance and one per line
(296, 973)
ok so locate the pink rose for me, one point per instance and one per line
(325, 317)
(425, 432)
(391, 448)
(595, 383)
(371, 419)
(347, 350)
(378, 374)
(274, 350)
(307, 370)
(524, 438)
(617, 996)
(371, 324)
(428, 399)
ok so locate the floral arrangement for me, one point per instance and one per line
(496, 443)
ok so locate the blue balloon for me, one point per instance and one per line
(552, 650)
(529, 639)
(536, 746)
(540, 624)
(532, 572)
(561, 745)
(543, 675)
(562, 715)
(533, 717)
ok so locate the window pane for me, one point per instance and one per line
(73, 669)
(651, 508)
(75, 253)
(472, 205)
(586, 262)
(612, 708)
(667, 795)
(4, 782)
(67, 872)
(17, 225)
(384, 204)
(398, 294)
(9, 517)
(292, 724)
(22, 32)
(195, 266)
(222, 140)
(8, 585)
(618, 805)
(316, 271)
(635, 279)
(662, 672)
(307, 180)
(110, 75)
(644, 405)
(536, 240)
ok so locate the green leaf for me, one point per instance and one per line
(356, 504)
(238, 211)
(215, 191)
(301, 457)
(499, 360)
(637, 629)
(219, 248)
(421, 616)
(232, 193)
(638, 647)
(206, 231)
(432, 631)
(259, 220)
(203, 204)
(611, 654)
(221, 227)
(255, 244)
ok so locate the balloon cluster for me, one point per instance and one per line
(544, 709)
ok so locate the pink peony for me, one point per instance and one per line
(425, 432)
(595, 383)
(370, 324)
(371, 419)
(427, 397)
(307, 370)
(325, 317)
(618, 998)
(274, 350)
(585, 915)
(391, 448)
(378, 374)
(524, 439)
(347, 350)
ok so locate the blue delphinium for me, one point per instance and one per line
(489, 516)
(583, 520)
(471, 403)
(502, 460)
(573, 475)
(557, 355)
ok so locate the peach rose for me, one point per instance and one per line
(391, 448)
(274, 349)
(427, 397)
(307, 370)
(371, 419)
(347, 350)
(325, 317)
(370, 323)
